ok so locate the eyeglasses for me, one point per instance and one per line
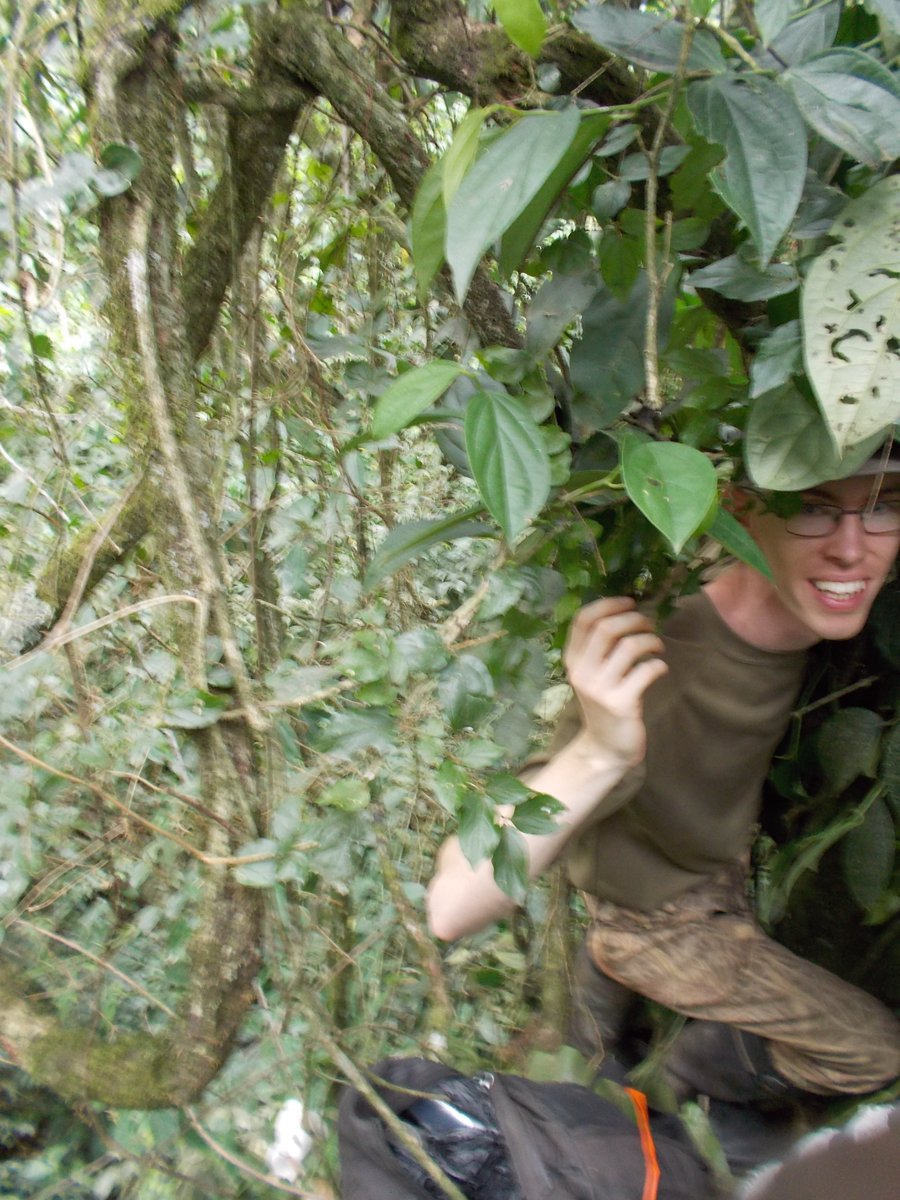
(820, 520)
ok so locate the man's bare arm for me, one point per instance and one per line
(611, 660)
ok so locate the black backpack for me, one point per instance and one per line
(510, 1138)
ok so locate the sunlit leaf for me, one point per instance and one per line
(762, 133)
(508, 458)
(673, 485)
(349, 795)
(851, 318)
(524, 23)
(500, 186)
(428, 226)
(462, 152)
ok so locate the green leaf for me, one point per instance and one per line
(773, 15)
(406, 542)
(732, 535)
(408, 396)
(737, 279)
(348, 795)
(851, 318)
(509, 459)
(121, 165)
(42, 346)
(462, 152)
(868, 853)
(847, 746)
(193, 709)
(778, 357)
(536, 814)
(524, 23)
(610, 198)
(559, 301)
(674, 486)
(635, 167)
(852, 100)
(465, 691)
(478, 835)
(510, 864)
(428, 227)
(519, 238)
(787, 446)
(648, 39)
(762, 133)
(607, 363)
(258, 874)
(501, 185)
(808, 33)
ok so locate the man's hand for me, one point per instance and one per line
(611, 658)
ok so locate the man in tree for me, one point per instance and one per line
(660, 775)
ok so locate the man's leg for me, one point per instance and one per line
(601, 1008)
(705, 957)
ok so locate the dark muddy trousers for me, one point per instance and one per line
(704, 955)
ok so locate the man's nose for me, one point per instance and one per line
(848, 542)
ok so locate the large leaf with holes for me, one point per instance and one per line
(851, 318)
(673, 485)
(508, 457)
(788, 447)
(758, 126)
(501, 185)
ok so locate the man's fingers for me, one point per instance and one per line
(591, 641)
(596, 675)
(639, 678)
(588, 619)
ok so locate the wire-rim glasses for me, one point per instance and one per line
(817, 519)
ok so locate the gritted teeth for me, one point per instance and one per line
(843, 588)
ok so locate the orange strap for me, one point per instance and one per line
(651, 1174)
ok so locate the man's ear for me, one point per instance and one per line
(739, 502)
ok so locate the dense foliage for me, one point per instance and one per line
(346, 350)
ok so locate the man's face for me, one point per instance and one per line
(825, 586)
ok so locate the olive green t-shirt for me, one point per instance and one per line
(713, 722)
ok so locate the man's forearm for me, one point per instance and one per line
(463, 899)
